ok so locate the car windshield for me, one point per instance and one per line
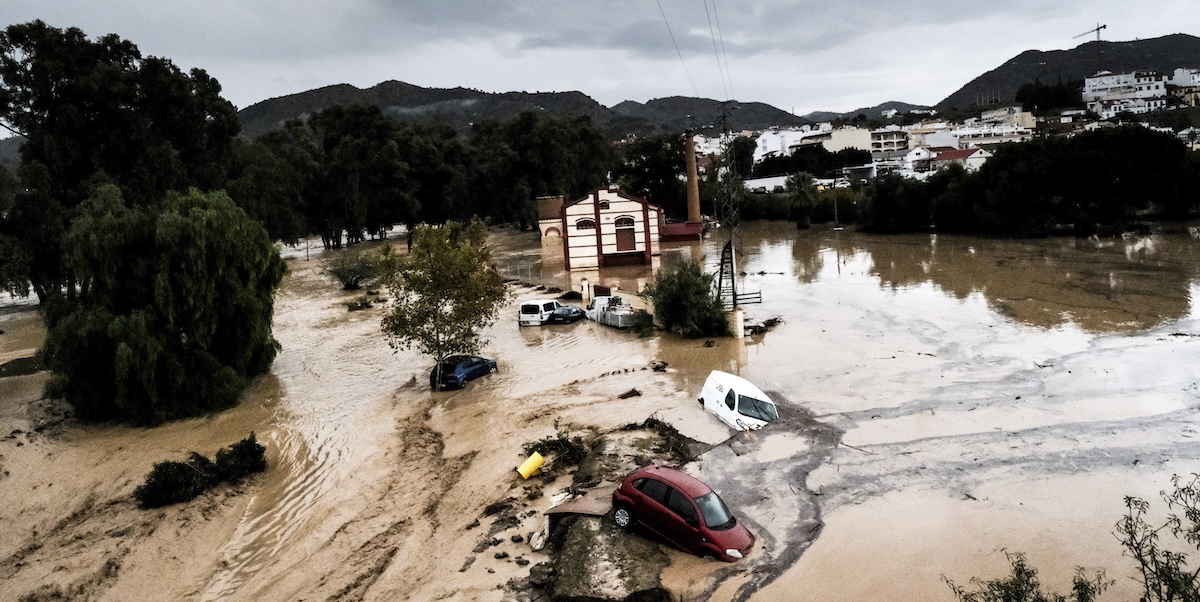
(757, 408)
(716, 514)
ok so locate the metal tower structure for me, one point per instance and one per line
(729, 219)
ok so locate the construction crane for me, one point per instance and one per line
(1096, 31)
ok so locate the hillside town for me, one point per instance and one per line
(922, 148)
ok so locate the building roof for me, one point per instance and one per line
(628, 197)
(956, 154)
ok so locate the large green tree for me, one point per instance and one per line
(445, 291)
(97, 110)
(174, 311)
(653, 168)
(352, 169)
(686, 303)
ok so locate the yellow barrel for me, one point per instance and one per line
(531, 465)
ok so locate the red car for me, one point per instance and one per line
(682, 510)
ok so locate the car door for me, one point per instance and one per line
(682, 523)
(651, 508)
(728, 410)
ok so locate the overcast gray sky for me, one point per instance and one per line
(801, 55)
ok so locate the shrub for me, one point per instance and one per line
(241, 459)
(1022, 586)
(351, 268)
(685, 302)
(173, 482)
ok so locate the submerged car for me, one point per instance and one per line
(737, 402)
(682, 510)
(565, 314)
(458, 369)
(536, 312)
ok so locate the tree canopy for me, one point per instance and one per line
(98, 111)
(445, 291)
(174, 311)
(686, 303)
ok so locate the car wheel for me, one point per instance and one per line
(708, 556)
(623, 517)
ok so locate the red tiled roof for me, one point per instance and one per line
(952, 155)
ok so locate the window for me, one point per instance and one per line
(624, 222)
(604, 204)
(585, 224)
(679, 504)
(731, 399)
(655, 490)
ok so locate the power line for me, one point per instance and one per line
(724, 55)
(713, 34)
(679, 52)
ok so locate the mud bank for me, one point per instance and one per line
(943, 400)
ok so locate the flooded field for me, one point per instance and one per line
(943, 399)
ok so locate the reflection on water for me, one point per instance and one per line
(1113, 285)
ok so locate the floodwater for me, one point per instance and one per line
(943, 399)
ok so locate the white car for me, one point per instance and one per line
(736, 402)
(536, 312)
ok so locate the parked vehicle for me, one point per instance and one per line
(610, 310)
(536, 312)
(682, 510)
(458, 369)
(737, 402)
(565, 314)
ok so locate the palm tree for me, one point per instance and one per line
(802, 194)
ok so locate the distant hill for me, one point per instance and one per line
(10, 151)
(869, 112)
(677, 113)
(457, 106)
(1000, 85)
(461, 106)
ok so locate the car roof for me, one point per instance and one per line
(739, 384)
(538, 301)
(684, 482)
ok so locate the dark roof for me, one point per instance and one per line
(952, 155)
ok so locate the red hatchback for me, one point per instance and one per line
(682, 510)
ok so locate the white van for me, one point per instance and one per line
(736, 402)
(535, 312)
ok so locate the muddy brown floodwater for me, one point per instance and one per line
(943, 399)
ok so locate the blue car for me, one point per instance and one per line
(458, 369)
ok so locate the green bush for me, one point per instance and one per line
(172, 482)
(1022, 585)
(351, 268)
(241, 459)
(685, 302)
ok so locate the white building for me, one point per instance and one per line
(608, 227)
(980, 135)
(1108, 94)
(888, 139)
(1185, 78)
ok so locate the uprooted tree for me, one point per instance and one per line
(445, 291)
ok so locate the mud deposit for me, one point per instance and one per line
(943, 399)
